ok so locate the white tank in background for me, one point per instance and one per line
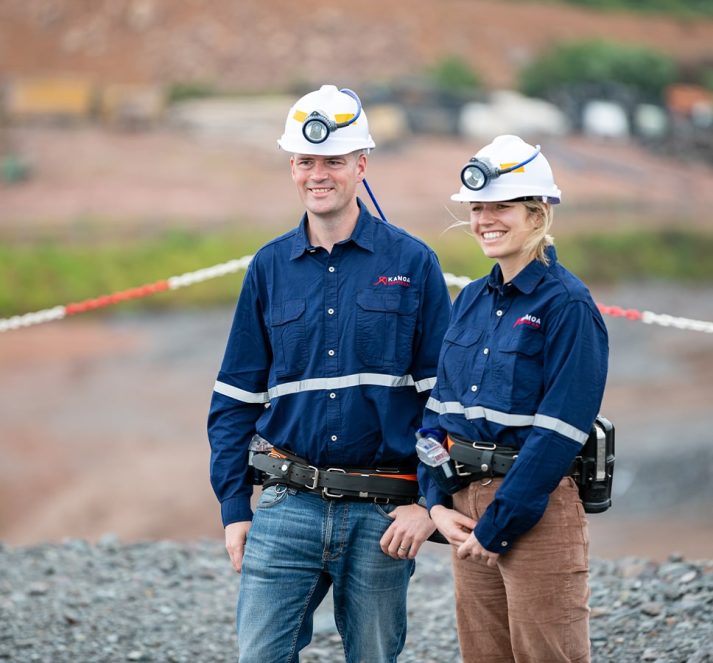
(650, 121)
(509, 112)
(605, 119)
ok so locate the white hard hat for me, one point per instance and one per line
(338, 108)
(506, 169)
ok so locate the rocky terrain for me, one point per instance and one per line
(174, 603)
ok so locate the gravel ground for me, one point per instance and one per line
(174, 602)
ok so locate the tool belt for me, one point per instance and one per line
(385, 485)
(592, 470)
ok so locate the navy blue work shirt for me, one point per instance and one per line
(331, 356)
(524, 365)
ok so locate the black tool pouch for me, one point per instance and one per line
(596, 472)
(445, 477)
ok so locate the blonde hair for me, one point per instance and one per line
(540, 238)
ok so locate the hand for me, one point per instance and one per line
(472, 548)
(236, 534)
(411, 527)
(455, 526)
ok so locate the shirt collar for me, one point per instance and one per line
(526, 280)
(362, 235)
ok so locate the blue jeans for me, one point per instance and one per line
(298, 546)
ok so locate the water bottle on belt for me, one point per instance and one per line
(438, 462)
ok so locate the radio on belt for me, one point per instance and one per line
(597, 467)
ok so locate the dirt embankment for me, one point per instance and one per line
(272, 44)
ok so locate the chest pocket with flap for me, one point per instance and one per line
(518, 368)
(385, 328)
(289, 339)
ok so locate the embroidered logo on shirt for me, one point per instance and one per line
(529, 320)
(404, 281)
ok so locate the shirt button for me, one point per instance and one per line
(330, 311)
(330, 353)
(334, 438)
(503, 543)
(474, 387)
(332, 395)
(486, 351)
(331, 268)
(498, 312)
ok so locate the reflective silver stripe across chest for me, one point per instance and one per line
(316, 384)
(508, 419)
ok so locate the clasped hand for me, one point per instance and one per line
(458, 530)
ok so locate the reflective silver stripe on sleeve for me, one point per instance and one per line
(240, 394)
(425, 384)
(450, 407)
(508, 419)
(355, 380)
(561, 427)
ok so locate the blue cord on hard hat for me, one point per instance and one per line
(477, 173)
(317, 126)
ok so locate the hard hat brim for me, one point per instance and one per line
(466, 195)
(332, 147)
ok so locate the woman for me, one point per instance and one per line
(520, 380)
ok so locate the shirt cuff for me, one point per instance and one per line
(435, 496)
(490, 539)
(235, 509)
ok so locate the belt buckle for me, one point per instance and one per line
(315, 478)
(325, 490)
(484, 446)
(459, 469)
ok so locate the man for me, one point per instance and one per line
(330, 359)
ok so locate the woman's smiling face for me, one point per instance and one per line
(502, 230)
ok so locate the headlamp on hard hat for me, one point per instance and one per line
(317, 126)
(477, 173)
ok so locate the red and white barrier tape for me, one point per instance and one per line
(173, 283)
(232, 266)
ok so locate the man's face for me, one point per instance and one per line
(327, 185)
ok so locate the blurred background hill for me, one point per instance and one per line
(137, 142)
(275, 45)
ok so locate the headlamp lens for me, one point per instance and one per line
(473, 177)
(315, 130)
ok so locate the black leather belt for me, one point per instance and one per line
(476, 460)
(337, 482)
(480, 459)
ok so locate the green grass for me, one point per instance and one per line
(41, 275)
(686, 9)
(35, 276)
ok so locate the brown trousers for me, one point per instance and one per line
(533, 606)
